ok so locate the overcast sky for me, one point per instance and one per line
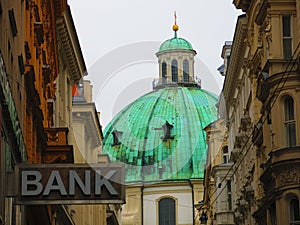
(119, 39)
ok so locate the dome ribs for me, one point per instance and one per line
(178, 114)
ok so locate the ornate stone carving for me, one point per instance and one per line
(288, 176)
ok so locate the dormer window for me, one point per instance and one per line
(116, 135)
(167, 131)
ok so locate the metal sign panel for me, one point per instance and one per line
(70, 183)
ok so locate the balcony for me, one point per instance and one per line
(263, 87)
(245, 122)
(257, 135)
(58, 150)
(240, 139)
(281, 171)
(235, 154)
(57, 136)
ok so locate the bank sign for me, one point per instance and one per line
(70, 183)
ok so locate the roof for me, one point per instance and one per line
(175, 43)
(160, 135)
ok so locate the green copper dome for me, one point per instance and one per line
(160, 135)
(175, 43)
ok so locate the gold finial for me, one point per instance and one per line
(175, 26)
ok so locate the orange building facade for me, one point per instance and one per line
(35, 50)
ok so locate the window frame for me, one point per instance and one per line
(229, 195)
(289, 121)
(175, 201)
(225, 155)
(164, 71)
(287, 39)
(186, 71)
(293, 220)
(174, 70)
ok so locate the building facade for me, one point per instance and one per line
(40, 61)
(261, 97)
(29, 66)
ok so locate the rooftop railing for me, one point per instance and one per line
(165, 82)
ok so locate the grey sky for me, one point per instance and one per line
(110, 31)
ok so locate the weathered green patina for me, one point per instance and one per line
(175, 43)
(160, 135)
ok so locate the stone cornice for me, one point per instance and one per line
(87, 114)
(281, 171)
(242, 4)
(221, 170)
(70, 44)
(236, 59)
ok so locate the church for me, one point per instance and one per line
(160, 139)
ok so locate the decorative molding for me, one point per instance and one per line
(236, 60)
(242, 4)
(70, 43)
(262, 13)
(288, 176)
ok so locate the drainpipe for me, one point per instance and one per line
(142, 199)
(191, 185)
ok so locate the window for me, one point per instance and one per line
(13, 24)
(229, 194)
(225, 154)
(164, 71)
(166, 211)
(287, 36)
(294, 212)
(290, 128)
(185, 71)
(174, 71)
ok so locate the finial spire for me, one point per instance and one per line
(175, 17)
(175, 26)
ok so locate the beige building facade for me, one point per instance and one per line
(262, 103)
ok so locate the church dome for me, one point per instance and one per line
(160, 135)
(175, 43)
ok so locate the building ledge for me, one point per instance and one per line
(281, 171)
(70, 44)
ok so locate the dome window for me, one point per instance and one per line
(174, 71)
(116, 135)
(167, 131)
(185, 71)
(164, 71)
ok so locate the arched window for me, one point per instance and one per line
(225, 154)
(294, 212)
(164, 71)
(167, 211)
(185, 71)
(289, 121)
(174, 71)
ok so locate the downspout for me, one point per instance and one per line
(191, 185)
(142, 199)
